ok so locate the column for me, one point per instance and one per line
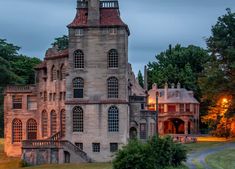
(185, 126)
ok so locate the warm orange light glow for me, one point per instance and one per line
(225, 100)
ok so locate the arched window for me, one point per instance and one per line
(53, 122)
(113, 58)
(62, 72)
(78, 86)
(113, 119)
(112, 87)
(77, 119)
(31, 129)
(78, 59)
(62, 121)
(53, 73)
(44, 124)
(16, 131)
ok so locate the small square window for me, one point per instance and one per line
(113, 31)
(78, 93)
(113, 147)
(79, 32)
(96, 147)
(17, 102)
(79, 145)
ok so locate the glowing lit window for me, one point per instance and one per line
(77, 119)
(112, 87)
(78, 86)
(113, 59)
(78, 59)
(113, 119)
(16, 131)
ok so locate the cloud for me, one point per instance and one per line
(154, 24)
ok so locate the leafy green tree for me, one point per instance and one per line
(61, 43)
(140, 79)
(219, 75)
(178, 64)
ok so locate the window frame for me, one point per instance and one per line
(17, 102)
(78, 119)
(79, 59)
(113, 59)
(17, 131)
(112, 88)
(113, 119)
(78, 87)
(96, 147)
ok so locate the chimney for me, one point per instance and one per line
(172, 85)
(154, 86)
(93, 12)
(166, 91)
(145, 78)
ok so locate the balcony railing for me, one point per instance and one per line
(81, 4)
(19, 88)
(109, 4)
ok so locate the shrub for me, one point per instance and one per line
(157, 153)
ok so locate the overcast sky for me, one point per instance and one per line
(154, 24)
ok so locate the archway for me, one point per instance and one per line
(133, 133)
(174, 126)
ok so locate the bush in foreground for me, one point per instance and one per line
(157, 153)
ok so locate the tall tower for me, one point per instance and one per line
(97, 82)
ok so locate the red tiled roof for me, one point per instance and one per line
(108, 17)
(80, 19)
(54, 54)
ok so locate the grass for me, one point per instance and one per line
(222, 160)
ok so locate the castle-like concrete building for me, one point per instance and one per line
(86, 102)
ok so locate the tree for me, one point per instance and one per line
(178, 64)
(140, 79)
(61, 43)
(219, 74)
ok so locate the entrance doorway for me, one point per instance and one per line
(174, 126)
(66, 157)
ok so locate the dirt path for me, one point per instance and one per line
(201, 155)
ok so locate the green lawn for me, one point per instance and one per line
(222, 160)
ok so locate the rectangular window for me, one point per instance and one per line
(96, 147)
(61, 96)
(79, 32)
(113, 31)
(143, 131)
(45, 96)
(79, 145)
(182, 108)
(187, 107)
(54, 96)
(32, 102)
(161, 108)
(50, 97)
(78, 93)
(17, 102)
(113, 147)
(171, 108)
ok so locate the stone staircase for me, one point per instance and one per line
(56, 142)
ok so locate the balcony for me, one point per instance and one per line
(176, 114)
(109, 4)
